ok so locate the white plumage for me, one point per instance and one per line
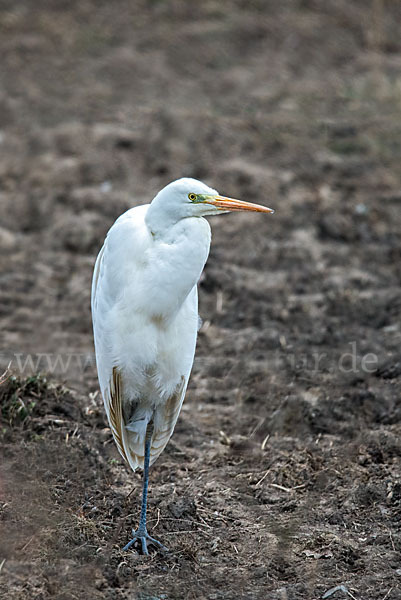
(145, 311)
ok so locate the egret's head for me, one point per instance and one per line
(191, 198)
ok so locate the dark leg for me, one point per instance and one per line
(141, 538)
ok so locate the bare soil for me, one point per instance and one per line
(282, 480)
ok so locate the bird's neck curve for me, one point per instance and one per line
(176, 258)
(159, 220)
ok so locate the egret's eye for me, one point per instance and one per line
(192, 197)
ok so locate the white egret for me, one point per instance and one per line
(145, 318)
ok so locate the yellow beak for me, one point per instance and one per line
(231, 204)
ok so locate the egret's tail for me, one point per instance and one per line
(130, 437)
(135, 434)
(164, 420)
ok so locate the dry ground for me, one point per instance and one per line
(282, 480)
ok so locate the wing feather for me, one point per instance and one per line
(96, 275)
(117, 423)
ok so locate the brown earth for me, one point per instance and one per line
(282, 480)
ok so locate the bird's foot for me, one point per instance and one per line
(143, 542)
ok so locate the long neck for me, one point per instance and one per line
(160, 218)
(176, 260)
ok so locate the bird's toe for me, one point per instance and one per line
(143, 542)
